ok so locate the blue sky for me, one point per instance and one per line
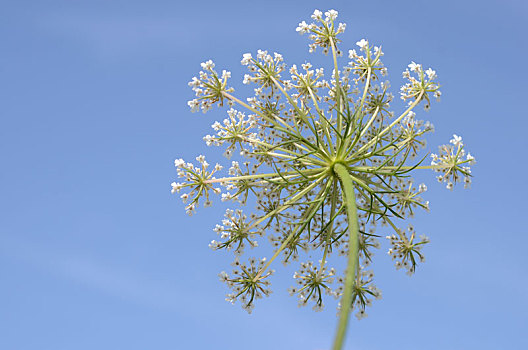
(95, 253)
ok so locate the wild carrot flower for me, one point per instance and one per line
(326, 162)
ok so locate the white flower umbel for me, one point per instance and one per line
(326, 161)
(247, 283)
(312, 284)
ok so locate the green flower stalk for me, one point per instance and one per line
(325, 162)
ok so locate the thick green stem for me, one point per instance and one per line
(353, 228)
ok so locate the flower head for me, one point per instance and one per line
(326, 164)
(209, 87)
(323, 32)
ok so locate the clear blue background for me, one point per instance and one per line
(95, 253)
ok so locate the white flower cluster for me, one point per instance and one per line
(417, 89)
(208, 87)
(265, 68)
(379, 99)
(247, 282)
(312, 283)
(324, 33)
(411, 132)
(406, 251)
(235, 130)
(292, 246)
(241, 188)
(306, 84)
(363, 290)
(370, 60)
(407, 199)
(236, 231)
(196, 179)
(452, 161)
